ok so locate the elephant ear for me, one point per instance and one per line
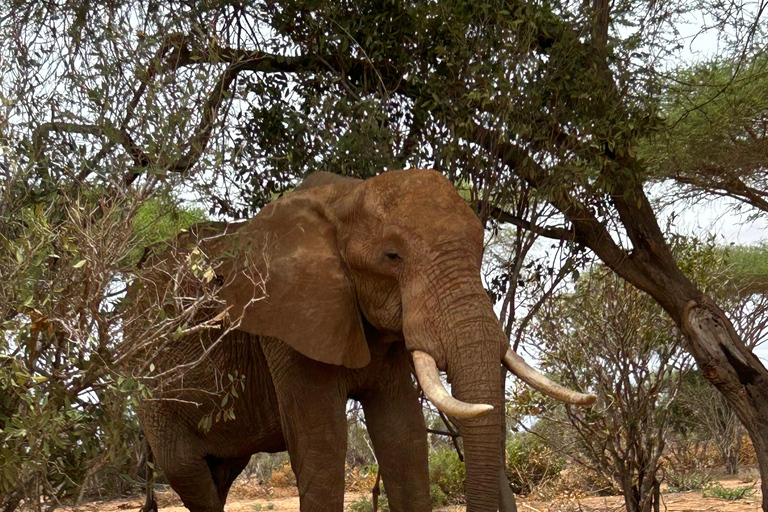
(285, 277)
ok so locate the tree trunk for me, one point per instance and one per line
(630, 494)
(732, 462)
(11, 501)
(735, 371)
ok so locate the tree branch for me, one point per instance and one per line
(549, 232)
(734, 188)
(115, 135)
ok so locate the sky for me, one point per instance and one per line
(718, 216)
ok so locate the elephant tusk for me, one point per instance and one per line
(539, 382)
(429, 380)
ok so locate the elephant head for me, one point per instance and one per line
(400, 252)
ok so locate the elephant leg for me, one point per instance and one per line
(224, 472)
(395, 423)
(312, 403)
(190, 476)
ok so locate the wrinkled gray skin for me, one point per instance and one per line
(411, 250)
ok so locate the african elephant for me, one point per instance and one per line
(338, 290)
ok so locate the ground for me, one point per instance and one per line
(285, 500)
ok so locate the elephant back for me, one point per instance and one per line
(173, 293)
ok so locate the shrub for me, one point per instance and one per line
(691, 480)
(283, 477)
(365, 504)
(361, 479)
(437, 496)
(530, 462)
(262, 465)
(747, 454)
(446, 476)
(734, 493)
(749, 475)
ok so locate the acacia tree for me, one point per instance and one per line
(232, 101)
(716, 141)
(736, 277)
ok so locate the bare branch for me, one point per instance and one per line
(549, 232)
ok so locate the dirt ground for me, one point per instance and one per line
(286, 500)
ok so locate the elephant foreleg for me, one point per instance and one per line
(313, 416)
(395, 423)
(187, 471)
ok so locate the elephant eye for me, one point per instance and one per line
(392, 255)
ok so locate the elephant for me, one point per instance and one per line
(340, 289)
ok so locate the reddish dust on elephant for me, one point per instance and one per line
(339, 290)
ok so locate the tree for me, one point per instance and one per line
(69, 381)
(607, 333)
(702, 413)
(716, 138)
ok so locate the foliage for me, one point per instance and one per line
(716, 136)
(68, 380)
(159, 219)
(359, 447)
(283, 476)
(361, 478)
(365, 504)
(531, 462)
(688, 480)
(729, 493)
(610, 335)
(262, 465)
(446, 477)
(735, 276)
(700, 413)
(749, 268)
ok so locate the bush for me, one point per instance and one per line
(734, 493)
(365, 504)
(437, 496)
(262, 465)
(749, 475)
(361, 479)
(446, 477)
(691, 480)
(530, 462)
(747, 454)
(283, 477)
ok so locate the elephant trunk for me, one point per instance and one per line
(462, 336)
(477, 380)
